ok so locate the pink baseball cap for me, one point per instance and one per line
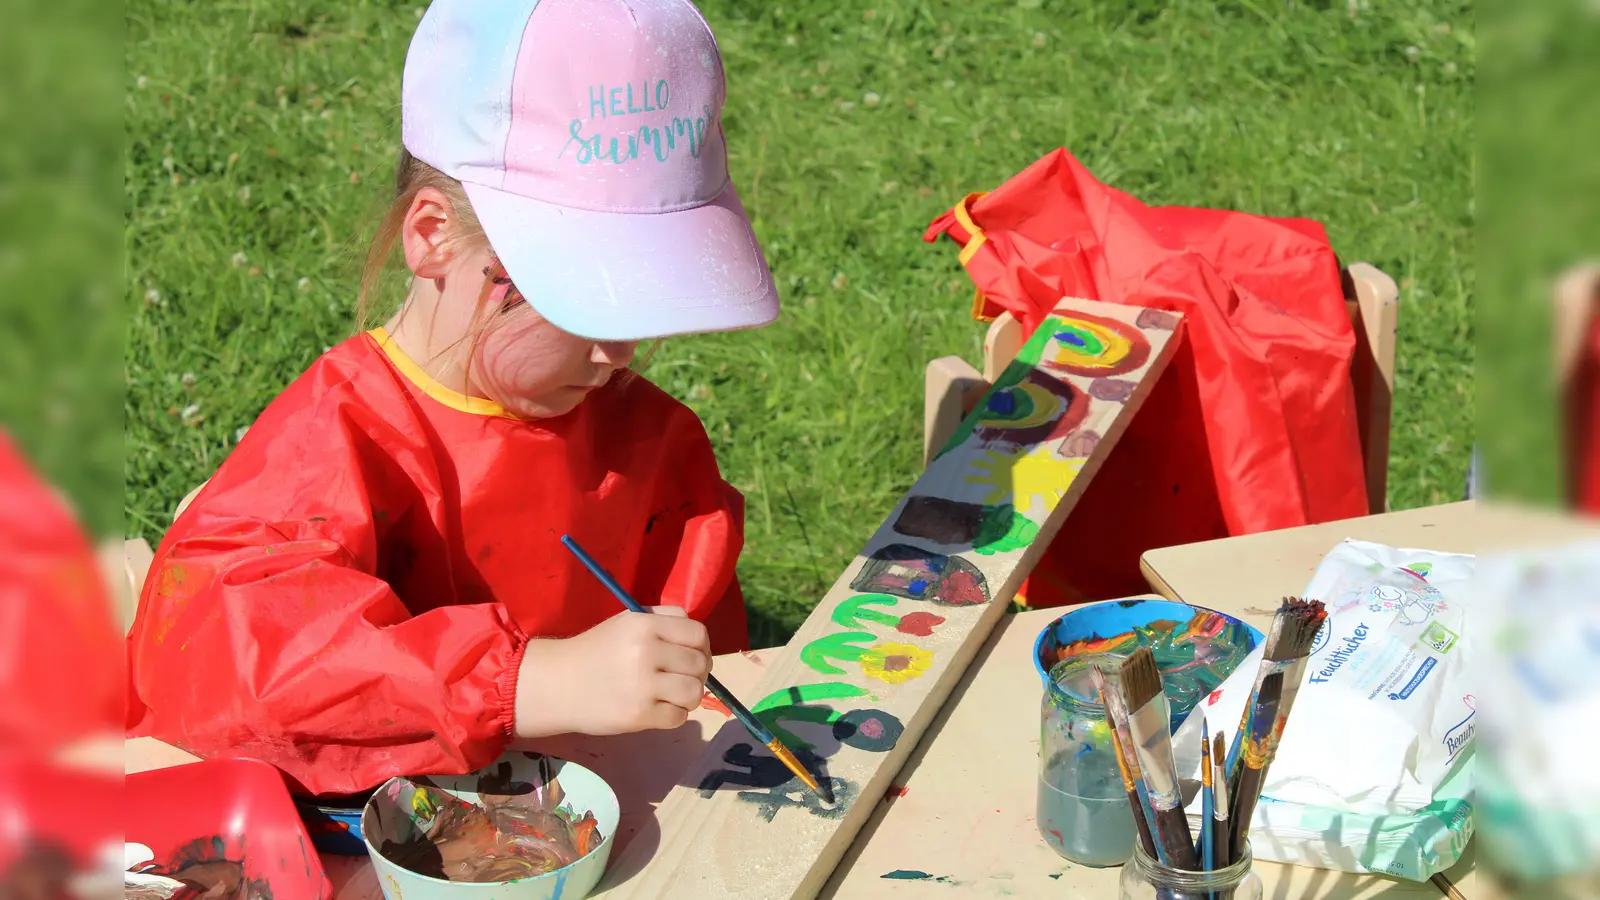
(588, 136)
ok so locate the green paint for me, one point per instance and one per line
(1027, 360)
(1091, 346)
(1003, 529)
(916, 875)
(849, 613)
(809, 693)
(785, 706)
(834, 646)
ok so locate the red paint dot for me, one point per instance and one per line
(918, 623)
(871, 728)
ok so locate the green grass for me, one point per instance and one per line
(263, 131)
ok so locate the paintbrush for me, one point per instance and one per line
(1149, 718)
(1207, 849)
(1221, 839)
(1303, 620)
(1253, 760)
(1288, 646)
(1121, 745)
(747, 718)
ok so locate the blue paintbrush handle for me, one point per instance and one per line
(722, 694)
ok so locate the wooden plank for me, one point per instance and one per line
(866, 673)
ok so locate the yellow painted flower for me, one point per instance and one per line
(895, 663)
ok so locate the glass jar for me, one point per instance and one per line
(1082, 809)
(1146, 879)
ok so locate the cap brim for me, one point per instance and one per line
(632, 276)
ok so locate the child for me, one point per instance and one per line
(373, 583)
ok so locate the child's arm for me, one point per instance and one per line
(265, 640)
(696, 535)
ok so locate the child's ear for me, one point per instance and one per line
(425, 233)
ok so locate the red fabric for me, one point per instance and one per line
(349, 597)
(1253, 428)
(60, 647)
(1583, 425)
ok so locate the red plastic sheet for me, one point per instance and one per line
(1253, 427)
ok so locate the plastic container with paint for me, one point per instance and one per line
(584, 791)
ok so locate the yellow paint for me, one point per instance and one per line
(394, 887)
(895, 663)
(1026, 479)
(1115, 346)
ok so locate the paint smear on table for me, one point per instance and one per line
(916, 875)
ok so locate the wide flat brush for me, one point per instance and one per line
(1303, 622)
(1117, 719)
(745, 717)
(1253, 760)
(1288, 644)
(1149, 718)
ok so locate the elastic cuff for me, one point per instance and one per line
(508, 685)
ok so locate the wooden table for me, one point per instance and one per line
(1253, 572)
(961, 812)
(962, 808)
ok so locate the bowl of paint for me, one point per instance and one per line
(1195, 648)
(527, 827)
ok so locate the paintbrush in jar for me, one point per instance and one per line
(1302, 622)
(1221, 838)
(1121, 745)
(1149, 718)
(740, 712)
(1207, 848)
(1253, 761)
(1287, 648)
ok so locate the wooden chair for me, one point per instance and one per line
(1577, 371)
(953, 386)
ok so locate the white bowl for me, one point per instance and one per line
(585, 791)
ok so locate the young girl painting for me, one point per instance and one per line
(373, 583)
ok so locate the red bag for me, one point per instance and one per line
(1253, 426)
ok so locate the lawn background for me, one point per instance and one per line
(262, 136)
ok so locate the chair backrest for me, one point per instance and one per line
(1372, 300)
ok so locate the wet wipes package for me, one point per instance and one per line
(1385, 710)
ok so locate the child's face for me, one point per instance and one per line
(529, 366)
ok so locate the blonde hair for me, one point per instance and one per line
(412, 176)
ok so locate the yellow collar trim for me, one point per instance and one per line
(426, 383)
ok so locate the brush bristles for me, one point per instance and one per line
(1141, 680)
(1294, 628)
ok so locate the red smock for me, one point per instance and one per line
(348, 598)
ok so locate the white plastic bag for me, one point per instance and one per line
(1385, 707)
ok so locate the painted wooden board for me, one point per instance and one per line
(867, 671)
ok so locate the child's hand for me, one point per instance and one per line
(629, 673)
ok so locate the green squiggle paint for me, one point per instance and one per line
(784, 706)
(850, 614)
(1003, 529)
(834, 646)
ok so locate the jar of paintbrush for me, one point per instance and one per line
(1083, 811)
(1144, 878)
